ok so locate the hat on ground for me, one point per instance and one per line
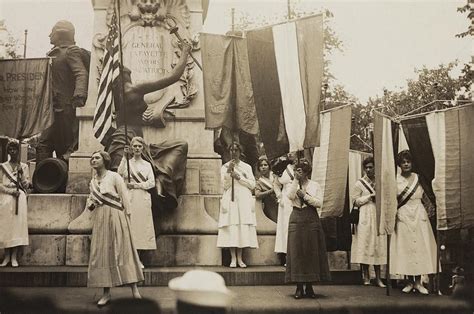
(201, 287)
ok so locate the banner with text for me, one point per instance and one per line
(25, 97)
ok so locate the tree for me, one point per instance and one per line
(8, 44)
(469, 7)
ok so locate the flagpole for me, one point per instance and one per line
(387, 268)
(122, 88)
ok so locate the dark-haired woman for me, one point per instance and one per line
(368, 248)
(306, 259)
(113, 258)
(14, 231)
(412, 245)
(264, 190)
(237, 222)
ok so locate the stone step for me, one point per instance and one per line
(195, 214)
(70, 276)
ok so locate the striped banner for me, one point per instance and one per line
(102, 123)
(453, 152)
(385, 174)
(331, 160)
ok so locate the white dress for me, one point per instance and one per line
(285, 208)
(367, 247)
(237, 220)
(412, 245)
(141, 219)
(14, 230)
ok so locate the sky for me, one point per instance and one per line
(383, 41)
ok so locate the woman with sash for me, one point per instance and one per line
(264, 190)
(412, 245)
(306, 260)
(237, 221)
(113, 258)
(368, 248)
(13, 206)
(141, 180)
(285, 207)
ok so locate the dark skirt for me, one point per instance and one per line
(306, 259)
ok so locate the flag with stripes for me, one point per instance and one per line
(275, 74)
(286, 69)
(331, 160)
(385, 173)
(102, 124)
(450, 135)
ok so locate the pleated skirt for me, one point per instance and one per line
(113, 258)
(306, 259)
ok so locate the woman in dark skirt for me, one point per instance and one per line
(306, 259)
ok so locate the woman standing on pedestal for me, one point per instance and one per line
(285, 207)
(264, 190)
(113, 258)
(14, 230)
(412, 245)
(368, 248)
(141, 180)
(237, 221)
(306, 260)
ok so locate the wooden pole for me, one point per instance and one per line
(122, 87)
(232, 15)
(387, 268)
(438, 259)
(24, 46)
(289, 9)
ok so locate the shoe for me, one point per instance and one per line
(298, 293)
(104, 301)
(142, 266)
(366, 282)
(421, 289)
(233, 265)
(380, 284)
(242, 265)
(408, 288)
(15, 263)
(4, 263)
(309, 293)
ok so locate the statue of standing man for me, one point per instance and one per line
(70, 75)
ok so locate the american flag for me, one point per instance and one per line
(102, 124)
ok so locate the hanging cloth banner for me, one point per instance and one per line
(25, 98)
(385, 174)
(331, 160)
(453, 184)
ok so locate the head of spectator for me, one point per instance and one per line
(201, 291)
(369, 167)
(62, 34)
(133, 305)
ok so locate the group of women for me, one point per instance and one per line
(412, 245)
(299, 234)
(299, 230)
(123, 223)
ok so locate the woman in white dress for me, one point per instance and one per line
(237, 221)
(285, 207)
(14, 231)
(368, 248)
(141, 180)
(113, 258)
(412, 245)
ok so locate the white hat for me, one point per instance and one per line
(201, 287)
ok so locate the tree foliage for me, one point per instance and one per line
(9, 45)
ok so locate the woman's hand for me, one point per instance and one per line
(15, 193)
(185, 46)
(298, 174)
(127, 152)
(131, 185)
(235, 175)
(300, 193)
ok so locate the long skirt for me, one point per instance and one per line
(14, 230)
(143, 231)
(240, 236)
(113, 258)
(306, 259)
(367, 246)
